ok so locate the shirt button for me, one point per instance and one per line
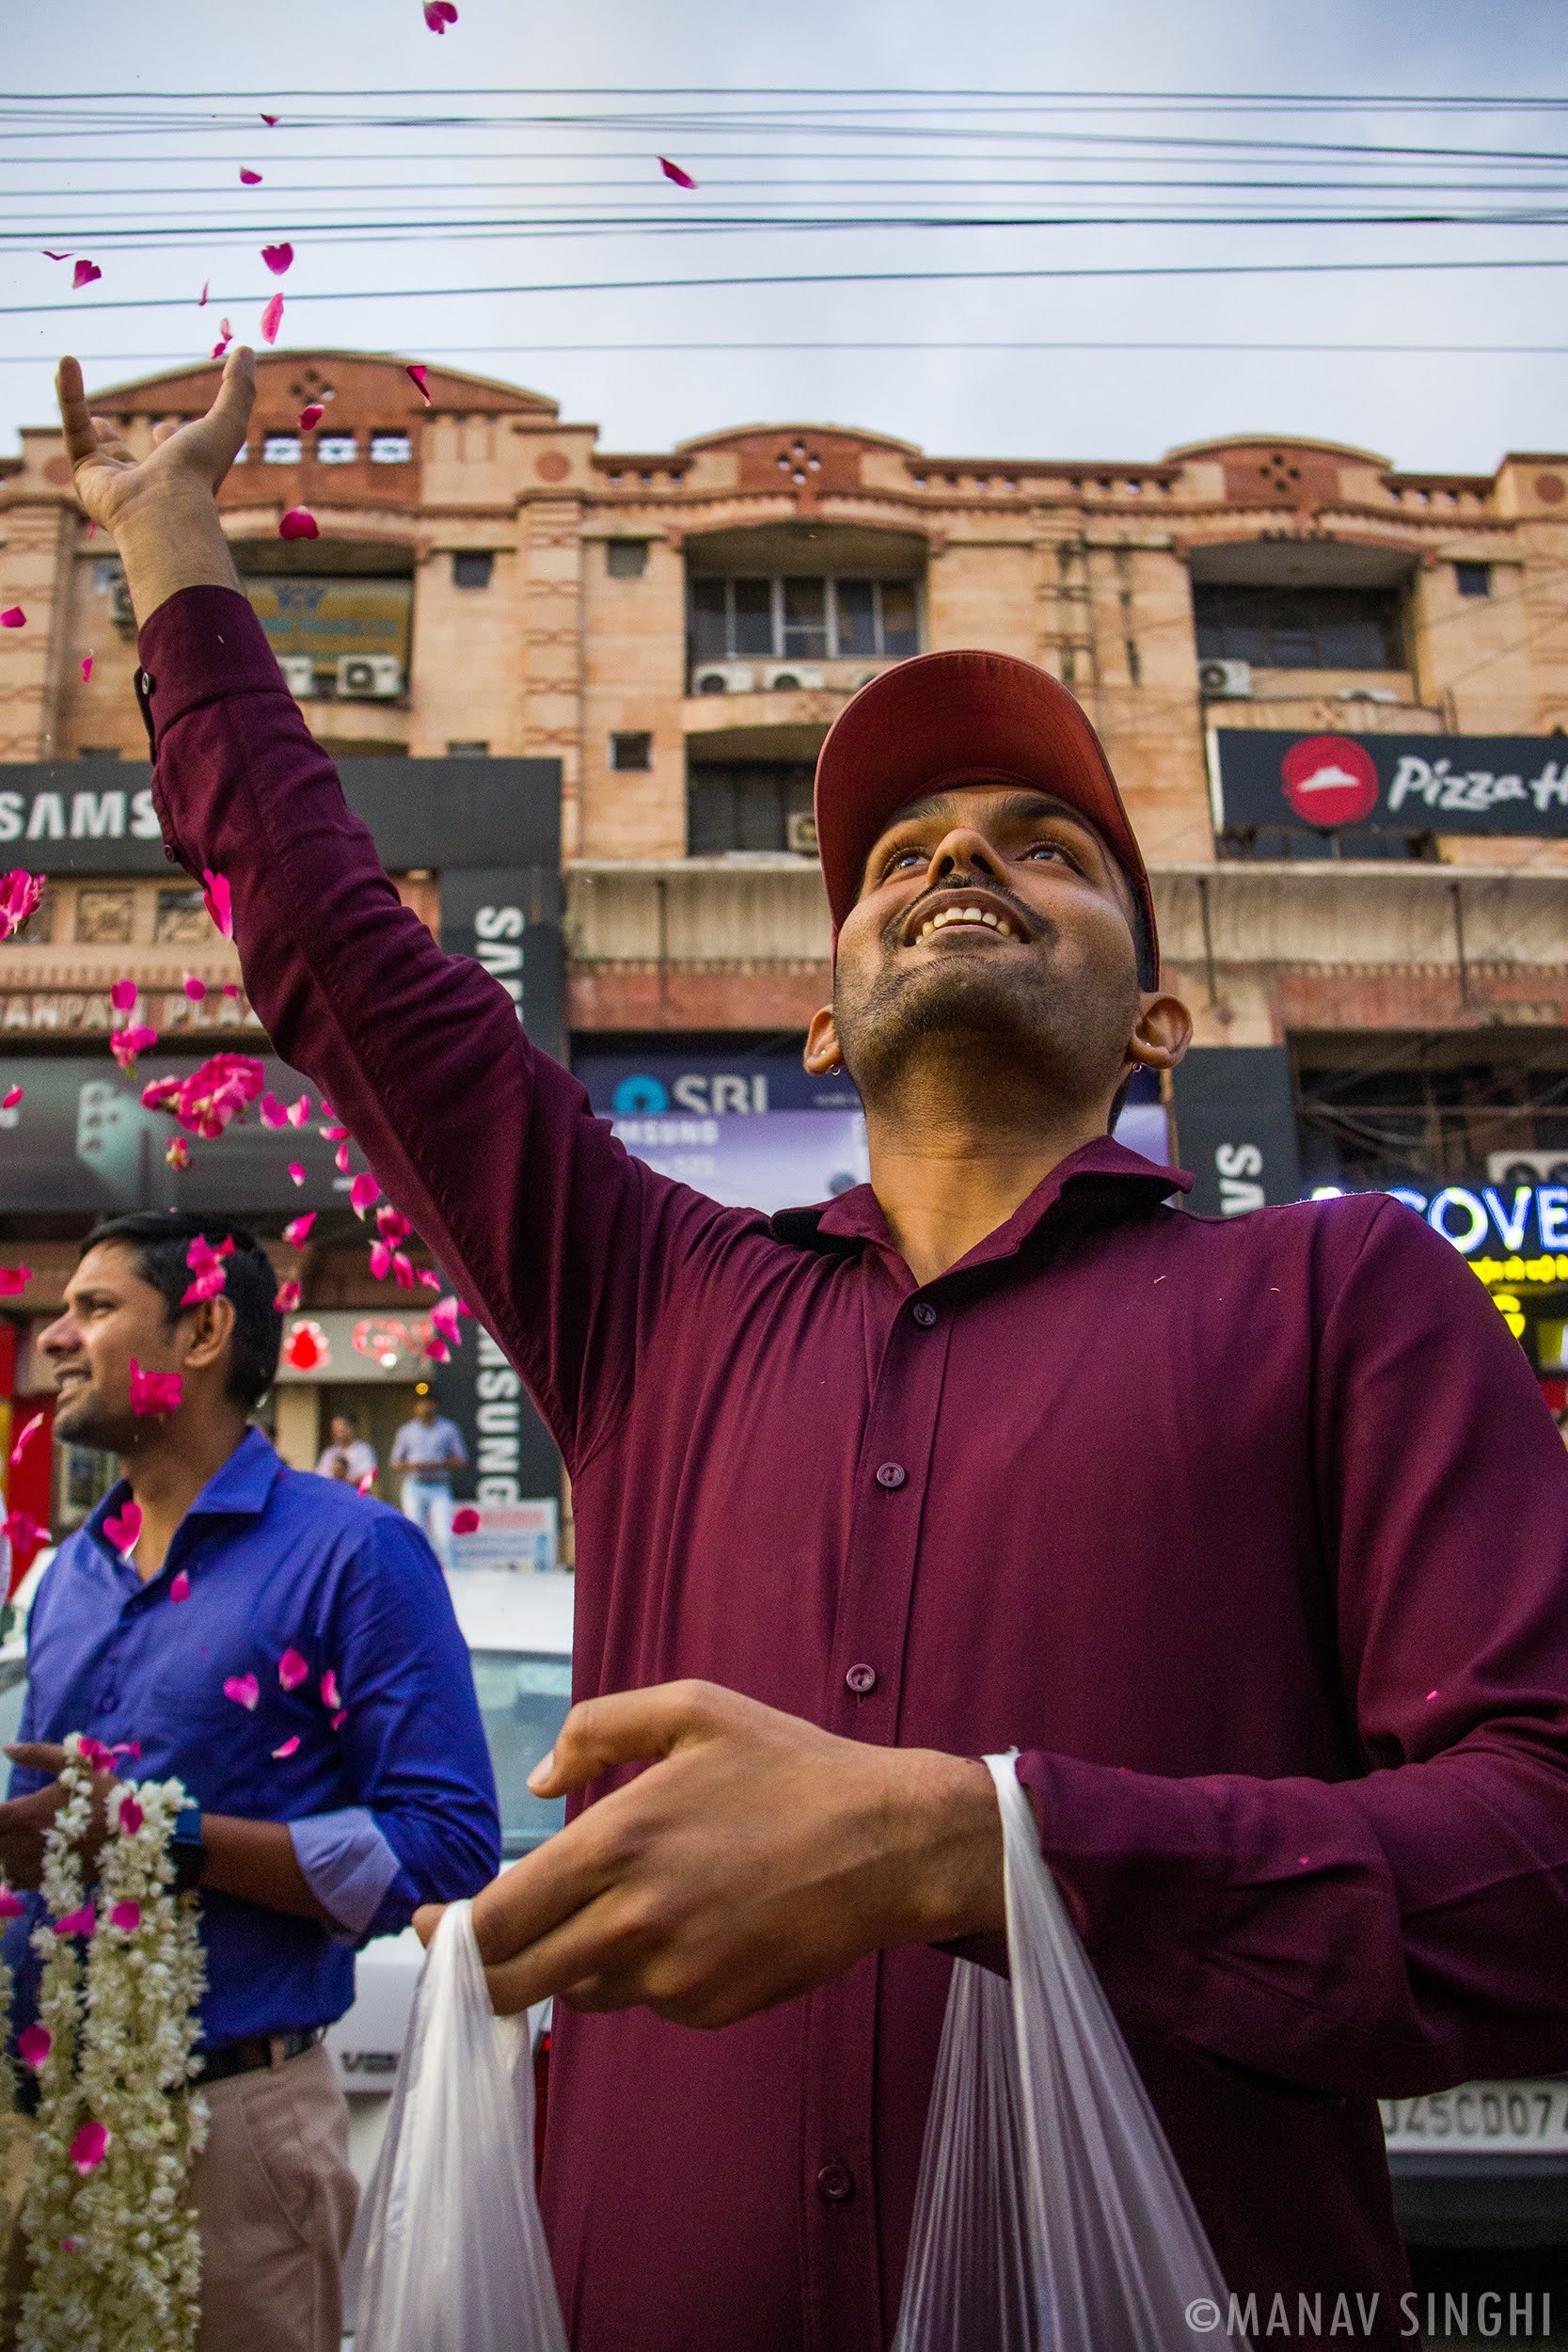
(923, 1313)
(835, 2185)
(891, 1475)
(106, 1702)
(862, 1680)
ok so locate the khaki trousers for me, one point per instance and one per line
(275, 2201)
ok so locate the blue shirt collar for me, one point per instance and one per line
(243, 1487)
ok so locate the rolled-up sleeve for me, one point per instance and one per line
(424, 1826)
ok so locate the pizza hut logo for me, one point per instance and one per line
(1329, 779)
(305, 1346)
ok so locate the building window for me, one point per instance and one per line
(1300, 628)
(626, 559)
(280, 448)
(469, 748)
(335, 448)
(180, 919)
(472, 568)
(746, 807)
(631, 751)
(804, 619)
(1473, 580)
(99, 751)
(1291, 843)
(389, 449)
(105, 918)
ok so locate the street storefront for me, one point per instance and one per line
(1350, 789)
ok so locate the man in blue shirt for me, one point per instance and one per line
(289, 1650)
(427, 1450)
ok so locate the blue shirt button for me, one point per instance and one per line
(107, 1700)
(891, 1475)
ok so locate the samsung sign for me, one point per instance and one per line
(1403, 783)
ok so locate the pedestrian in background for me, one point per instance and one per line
(349, 1456)
(427, 1450)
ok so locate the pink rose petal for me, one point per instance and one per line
(340, 1719)
(87, 667)
(330, 1694)
(249, 179)
(390, 1224)
(296, 1171)
(430, 1281)
(25, 1435)
(230, 988)
(296, 1233)
(14, 617)
(278, 258)
(293, 1669)
(131, 1814)
(341, 1156)
(381, 1261)
(299, 1112)
(54, 257)
(310, 416)
(207, 1285)
(34, 2044)
(419, 373)
(89, 2148)
(20, 891)
(220, 900)
(288, 1298)
(195, 989)
(672, 171)
(123, 995)
(122, 1528)
(244, 1690)
(466, 1521)
(93, 1751)
(366, 1486)
(127, 1747)
(1430, 1696)
(10, 1100)
(11, 1906)
(179, 1586)
(271, 120)
(287, 1748)
(201, 297)
(14, 1281)
(75, 1922)
(438, 14)
(363, 1193)
(403, 1270)
(299, 523)
(84, 274)
(271, 1111)
(271, 319)
(154, 1394)
(126, 1916)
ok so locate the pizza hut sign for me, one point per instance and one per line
(1264, 780)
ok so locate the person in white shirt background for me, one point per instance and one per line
(427, 1450)
(349, 1456)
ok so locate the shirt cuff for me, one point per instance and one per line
(348, 1865)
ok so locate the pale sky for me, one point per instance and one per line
(359, 202)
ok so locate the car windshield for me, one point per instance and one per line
(523, 1696)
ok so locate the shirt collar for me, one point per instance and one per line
(855, 1219)
(242, 1487)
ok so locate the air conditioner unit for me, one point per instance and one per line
(1224, 681)
(724, 677)
(369, 676)
(299, 674)
(801, 832)
(1509, 1169)
(795, 677)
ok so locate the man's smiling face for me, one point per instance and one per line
(991, 918)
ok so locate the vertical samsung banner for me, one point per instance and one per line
(1236, 1128)
(508, 918)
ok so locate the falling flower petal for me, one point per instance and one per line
(11, 1907)
(220, 900)
(10, 1100)
(219, 1090)
(25, 1435)
(88, 2148)
(84, 274)
(14, 1281)
(271, 1111)
(298, 1231)
(1430, 1696)
(403, 1270)
(439, 1352)
(381, 1261)
(22, 1531)
(80, 1922)
(271, 319)
(296, 1171)
(418, 371)
(299, 523)
(288, 1298)
(221, 346)
(438, 14)
(340, 1155)
(87, 667)
(14, 617)
(310, 416)
(287, 1748)
(366, 1486)
(331, 1695)
(93, 1751)
(154, 1394)
(123, 1527)
(672, 171)
(299, 1112)
(126, 1916)
(271, 120)
(123, 995)
(391, 1224)
(201, 297)
(125, 1044)
(34, 2043)
(333, 1134)
(230, 988)
(179, 1586)
(131, 1814)
(293, 1669)
(466, 1521)
(54, 257)
(20, 891)
(249, 179)
(195, 989)
(244, 1690)
(363, 1193)
(431, 1281)
(278, 258)
(127, 1747)
(207, 1285)
(178, 1155)
(340, 1719)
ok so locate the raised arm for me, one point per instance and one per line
(534, 1212)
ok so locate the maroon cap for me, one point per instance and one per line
(959, 718)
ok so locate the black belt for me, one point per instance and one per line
(253, 2051)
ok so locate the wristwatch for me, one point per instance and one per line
(189, 1852)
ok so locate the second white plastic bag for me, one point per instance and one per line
(1049, 2214)
(448, 2251)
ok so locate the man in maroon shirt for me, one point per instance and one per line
(1251, 1535)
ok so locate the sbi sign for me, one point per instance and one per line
(1523, 1215)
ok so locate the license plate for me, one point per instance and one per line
(1508, 2118)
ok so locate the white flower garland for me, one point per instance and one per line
(117, 2264)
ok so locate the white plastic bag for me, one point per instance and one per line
(1049, 2214)
(449, 2253)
